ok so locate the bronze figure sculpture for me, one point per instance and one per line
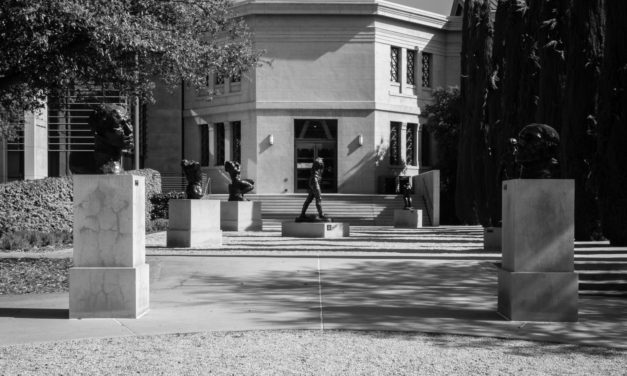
(407, 190)
(112, 136)
(317, 168)
(238, 187)
(193, 174)
(536, 148)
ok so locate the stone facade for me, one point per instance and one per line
(325, 61)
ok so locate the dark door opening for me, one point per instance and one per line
(315, 138)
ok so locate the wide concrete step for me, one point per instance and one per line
(351, 208)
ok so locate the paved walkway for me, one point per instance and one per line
(429, 280)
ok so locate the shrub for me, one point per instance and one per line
(156, 225)
(160, 202)
(30, 239)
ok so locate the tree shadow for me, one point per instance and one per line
(35, 313)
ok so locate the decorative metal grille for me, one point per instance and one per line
(236, 126)
(411, 144)
(204, 145)
(394, 64)
(411, 67)
(219, 144)
(427, 60)
(395, 144)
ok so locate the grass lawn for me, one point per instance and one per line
(308, 353)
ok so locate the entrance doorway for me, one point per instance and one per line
(315, 138)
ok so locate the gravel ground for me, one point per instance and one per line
(308, 353)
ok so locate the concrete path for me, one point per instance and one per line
(283, 283)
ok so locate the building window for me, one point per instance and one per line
(411, 67)
(395, 67)
(236, 127)
(220, 144)
(204, 145)
(411, 139)
(427, 69)
(395, 143)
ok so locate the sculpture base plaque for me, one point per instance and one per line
(240, 216)
(194, 224)
(407, 218)
(315, 229)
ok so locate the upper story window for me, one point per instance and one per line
(411, 67)
(427, 69)
(395, 66)
(410, 141)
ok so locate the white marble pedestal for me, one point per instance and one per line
(536, 280)
(110, 277)
(315, 229)
(410, 218)
(194, 223)
(492, 239)
(240, 216)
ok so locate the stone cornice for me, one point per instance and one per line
(380, 8)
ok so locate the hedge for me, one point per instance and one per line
(160, 204)
(45, 205)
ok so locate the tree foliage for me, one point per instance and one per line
(443, 122)
(49, 47)
(557, 62)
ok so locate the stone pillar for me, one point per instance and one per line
(403, 72)
(537, 281)
(36, 144)
(110, 276)
(403, 141)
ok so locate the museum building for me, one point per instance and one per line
(344, 80)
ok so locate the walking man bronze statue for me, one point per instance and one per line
(314, 193)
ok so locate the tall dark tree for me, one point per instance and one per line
(470, 195)
(585, 29)
(612, 164)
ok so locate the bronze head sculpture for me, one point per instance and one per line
(193, 174)
(536, 149)
(317, 168)
(112, 136)
(238, 187)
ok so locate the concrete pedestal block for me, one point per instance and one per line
(492, 239)
(315, 229)
(194, 223)
(110, 276)
(539, 296)
(407, 218)
(105, 292)
(240, 216)
(538, 225)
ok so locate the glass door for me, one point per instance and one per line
(315, 138)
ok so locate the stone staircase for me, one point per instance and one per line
(356, 209)
(602, 269)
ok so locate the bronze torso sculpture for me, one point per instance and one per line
(112, 136)
(317, 168)
(238, 187)
(536, 151)
(193, 174)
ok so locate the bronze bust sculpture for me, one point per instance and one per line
(193, 174)
(112, 136)
(317, 168)
(535, 151)
(238, 187)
